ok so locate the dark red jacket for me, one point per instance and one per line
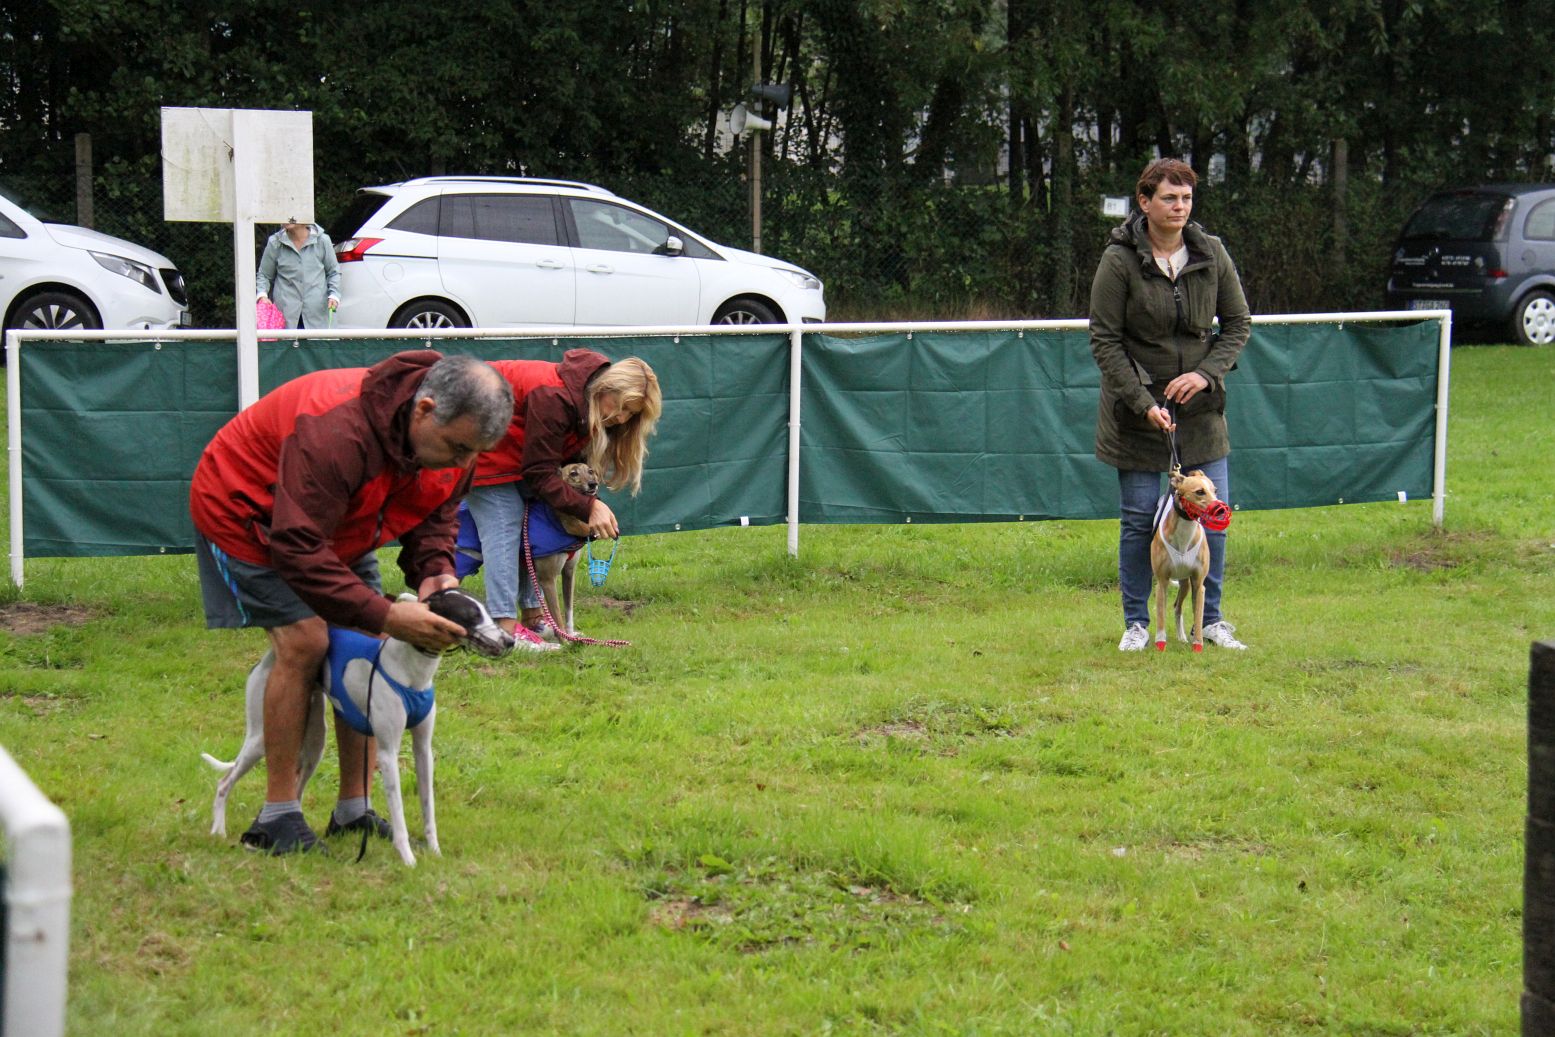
(549, 429)
(318, 473)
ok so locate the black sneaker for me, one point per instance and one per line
(288, 833)
(370, 821)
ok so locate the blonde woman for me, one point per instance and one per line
(586, 406)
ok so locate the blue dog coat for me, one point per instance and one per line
(348, 645)
(546, 537)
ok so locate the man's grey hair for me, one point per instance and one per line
(461, 385)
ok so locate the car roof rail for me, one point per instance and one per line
(529, 181)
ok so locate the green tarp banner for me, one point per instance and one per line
(943, 427)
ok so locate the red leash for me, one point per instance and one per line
(545, 608)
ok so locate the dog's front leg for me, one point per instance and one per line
(389, 774)
(421, 748)
(569, 580)
(546, 570)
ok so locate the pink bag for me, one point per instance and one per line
(268, 317)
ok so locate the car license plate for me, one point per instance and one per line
(1429, 304)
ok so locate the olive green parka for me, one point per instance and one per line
(1147, 330)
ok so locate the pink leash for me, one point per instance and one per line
(545, 608)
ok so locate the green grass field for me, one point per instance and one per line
(903, 785)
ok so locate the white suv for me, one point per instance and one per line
(441, 252)
(58, 276)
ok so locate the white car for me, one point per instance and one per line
(453, 252)
(59, 276)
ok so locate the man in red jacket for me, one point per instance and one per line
(291, 501)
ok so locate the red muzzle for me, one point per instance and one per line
(1215, 515)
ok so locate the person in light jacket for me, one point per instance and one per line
(1159, 286)
(298, 273)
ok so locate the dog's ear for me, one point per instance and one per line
(1197, 473)
(1174, 480)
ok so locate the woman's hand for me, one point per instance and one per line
(1186, 386)
(602, 521)
(1161, 418)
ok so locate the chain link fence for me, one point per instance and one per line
(886, 247)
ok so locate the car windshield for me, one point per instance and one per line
(1458, 216)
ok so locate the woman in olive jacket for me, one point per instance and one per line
(1160, 284)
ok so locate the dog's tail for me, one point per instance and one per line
(216, 765)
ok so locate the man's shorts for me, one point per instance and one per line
(241, 594)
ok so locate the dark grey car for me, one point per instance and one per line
(1488, 254)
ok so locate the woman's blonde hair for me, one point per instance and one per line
(617, 453)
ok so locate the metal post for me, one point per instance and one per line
(795, 354)
(244, 174)
(1538, 1002)
(1439, 461)
(755, 139)
(13, 421)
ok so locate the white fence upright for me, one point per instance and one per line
(37, 907)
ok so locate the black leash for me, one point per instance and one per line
(367, 759)
(1171, 436)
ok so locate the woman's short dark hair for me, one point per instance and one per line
(1173, 169)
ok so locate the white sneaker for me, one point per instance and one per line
(1223, 634)
(1135, 638)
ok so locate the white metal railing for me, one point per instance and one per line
(795, 333)
(37, 902)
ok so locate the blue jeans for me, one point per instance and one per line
(1139, 492)
(498, 511)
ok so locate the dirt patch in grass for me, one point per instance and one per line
(909, 729)
(621, 605)
(29, 617)
(683, 912)
(1199, 849)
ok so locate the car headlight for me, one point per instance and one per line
(804, 280)
(129, 268)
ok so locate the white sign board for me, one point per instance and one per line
(240, 166)
(224, 164)
(1114, 205)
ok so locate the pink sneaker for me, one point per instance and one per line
(526, 640)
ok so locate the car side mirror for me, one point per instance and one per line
(672, 246)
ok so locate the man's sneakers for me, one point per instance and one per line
(1134, 638)
(369, 821)
(1223, 634)
(288, 833)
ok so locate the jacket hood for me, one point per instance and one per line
(387, 390)
(575, 370)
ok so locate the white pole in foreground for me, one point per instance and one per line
(37, 898)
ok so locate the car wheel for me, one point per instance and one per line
(1534, 322)
(56, 311)
(745, 311)
(427, 315)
